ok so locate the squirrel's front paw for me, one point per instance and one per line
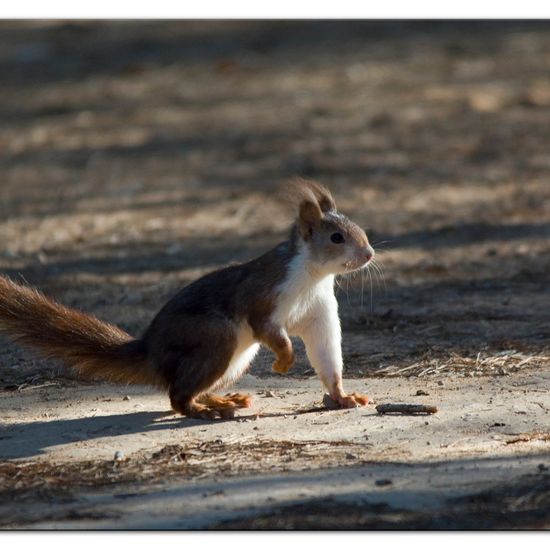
(283, 366)
(353, 400)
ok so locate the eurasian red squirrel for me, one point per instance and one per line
(206, 336)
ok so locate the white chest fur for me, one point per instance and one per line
(302, 290)
(303, 295)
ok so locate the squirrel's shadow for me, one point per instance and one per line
(27, 440)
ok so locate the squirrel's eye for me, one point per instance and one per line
(337, 238)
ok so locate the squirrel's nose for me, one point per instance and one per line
(368, 253)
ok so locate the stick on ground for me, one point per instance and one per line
(404, 408)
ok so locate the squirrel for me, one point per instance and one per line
(207, 335)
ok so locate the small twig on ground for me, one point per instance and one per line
(534, 436)
(405, 408)
(28, 386)
(25, 387)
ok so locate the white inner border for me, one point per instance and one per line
(282, 9)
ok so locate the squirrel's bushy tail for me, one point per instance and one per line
(82, 342)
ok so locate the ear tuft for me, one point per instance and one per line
(299, 190)
(326, 202)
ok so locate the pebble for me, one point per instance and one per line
(329, 403)
(119, 456)
(174, 248)
(383, 482)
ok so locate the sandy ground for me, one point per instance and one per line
(99, 457)
(135, 157)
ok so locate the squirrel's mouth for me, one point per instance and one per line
(361, 259)
(354, 265)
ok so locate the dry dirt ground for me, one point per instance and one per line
(135, 157)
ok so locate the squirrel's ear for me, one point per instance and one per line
(309, 217)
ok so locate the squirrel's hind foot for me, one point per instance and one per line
(197, 410)
(240, 400)
(228, 401)
(211, 407)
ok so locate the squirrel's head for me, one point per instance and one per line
(335, 243)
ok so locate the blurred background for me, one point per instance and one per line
(136, 156)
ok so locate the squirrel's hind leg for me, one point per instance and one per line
(197, 369)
